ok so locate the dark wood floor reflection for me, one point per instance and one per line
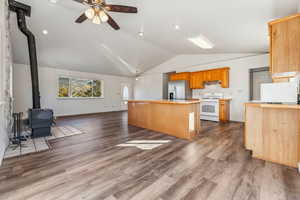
(90, 166)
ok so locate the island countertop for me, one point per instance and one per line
(165, 101)
(277, 106)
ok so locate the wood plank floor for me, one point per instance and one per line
(90, 166)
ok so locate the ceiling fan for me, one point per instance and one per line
(98, 12)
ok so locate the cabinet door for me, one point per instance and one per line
(225, 78)
(193, 81)
(215, 75)
(207, 75)
(279, 48)
(281, 135)
(285, 46)
(196, 80)
(224, 111)
(294, 45)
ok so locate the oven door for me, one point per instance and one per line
(209, 108)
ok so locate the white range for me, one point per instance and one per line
(209, 109)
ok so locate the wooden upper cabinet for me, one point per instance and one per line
(214, 75)
(224, 78)
(180, 76)
(285, 44)
(196, 81)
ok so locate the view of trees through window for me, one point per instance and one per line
(73, 87)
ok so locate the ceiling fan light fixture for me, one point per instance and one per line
(103, 16)
(96, 20)
(90, 13)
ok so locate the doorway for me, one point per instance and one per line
(125, 95)
(258, 76)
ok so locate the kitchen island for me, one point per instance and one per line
(272, 132)
(179, 118)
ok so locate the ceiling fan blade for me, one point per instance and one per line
(81, 18)
(119, 8)
(84, 1)
(79, 1)
(112, 22)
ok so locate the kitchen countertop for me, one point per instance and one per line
(164, 101)
(270, 105)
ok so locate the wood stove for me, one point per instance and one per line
(40, 119)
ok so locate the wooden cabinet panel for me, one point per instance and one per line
(225, 78)
(193, 81)
(197, 79)
(215, 75)
(207, 76)
(253, 130)
(272, 133)
(285, 44)
(281, 80)
(179, 120)
(224, 110)
(294, 45)
(280, 136)
(180, 76)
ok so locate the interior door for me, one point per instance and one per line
(125, 95)
(258, 76)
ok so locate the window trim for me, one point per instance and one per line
(70, 90)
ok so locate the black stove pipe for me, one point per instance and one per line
(22, 10)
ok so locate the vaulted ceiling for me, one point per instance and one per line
(233, 26)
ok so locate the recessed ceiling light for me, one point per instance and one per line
(45, 32)
(141, 34)
(53, 1)
(202, 42)
(177, 27)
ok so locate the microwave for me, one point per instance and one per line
(280, 92)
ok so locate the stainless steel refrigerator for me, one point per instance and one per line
(179, 90)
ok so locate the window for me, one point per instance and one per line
(125, 93)
(79, 88)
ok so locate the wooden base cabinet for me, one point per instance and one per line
(273, 133)
(224, 110)
(176, 118)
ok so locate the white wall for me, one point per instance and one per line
(5, 79)
(48, 78)
(149, 86)
(239, 76)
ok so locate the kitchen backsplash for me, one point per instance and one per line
(214, 88)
